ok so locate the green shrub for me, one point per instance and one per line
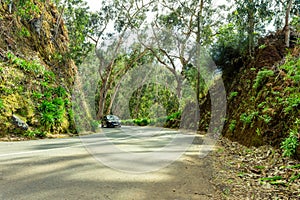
(174, 116)
(60, 91)
(49, 76)
(47, 106)
(261, 77)
(47, 120)
(94, 125)
(128, 122)
(290, 144)
(291, 66)
(292, 102)
(35, 133)
(232, 125)
(37, 95)
(145, 122)
(258, 131)
(262, 104)
(247, 118)
(267, 119)
(1, 104)
(141, 122)
(26, 9)
(262, 46)
(27, 66)
(52, 112)
(232, 95)
(24, 32)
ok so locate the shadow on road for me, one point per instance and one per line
(72, 173)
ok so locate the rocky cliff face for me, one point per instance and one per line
(36, 75)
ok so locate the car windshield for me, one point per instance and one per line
(112, 117)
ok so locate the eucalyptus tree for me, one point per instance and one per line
(251, 18)
(76, 16)
(285, 10)
(111, 27)
(177, 29)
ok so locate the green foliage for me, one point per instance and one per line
(258, 15)
(44, 84)
(49, 76)
(35, 133)
(190, 73)
(258, 131)
(259, 167)
(174, 116)
(290, 144)
(57, 57)
(232, 95)
(232, 125)
(228, 49)
(150, 96)
(6, 90)
(94, 125)
(27, 66)
(262, 46)
(127, 122)
(47, 120)
(267, 119)
(24, 32)
(261, 77)
(262, 104)
(1, 104)
(29, 134)
(142, 122)
(292, 102)
(37, 95)
(295, 177)
(60, 91)
(79, 22)
(275, 180)
(52, 112)
(26, 9)
(297, 166)
(291, 66)
(247, 118)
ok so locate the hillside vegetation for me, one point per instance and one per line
(264, 97)
(36, 74)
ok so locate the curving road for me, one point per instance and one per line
(118, 164)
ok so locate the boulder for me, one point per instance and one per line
(19, 123)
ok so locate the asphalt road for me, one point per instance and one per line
(118, 164)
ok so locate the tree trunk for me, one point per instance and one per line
(113, 97)
(104, 89)
(199, 23)
(102, 97)
(251, 25)
(287, 30)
